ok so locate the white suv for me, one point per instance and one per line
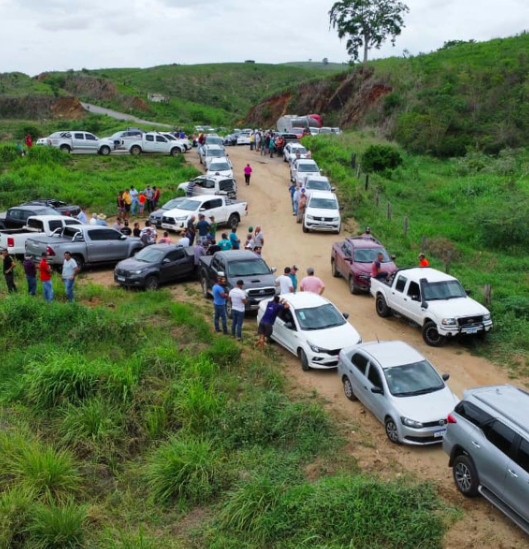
(322, 213)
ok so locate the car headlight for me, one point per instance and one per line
(310, 218)
(181, 218)
(316, 349)
(136, 272)
(486, 318)
(449, 322)
(411, 423)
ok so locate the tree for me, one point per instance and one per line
(367, 23)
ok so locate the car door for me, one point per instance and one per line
(397, 294)
(217, 266)
(343, 260)
(78, 141)
(91, 142)
(215, 207)
(375, 401)
(149, 145)
(358, 366)
(162, 145)
(516, 493)
(227, 187)
(175, 265)
(286, 331)
(413, 302)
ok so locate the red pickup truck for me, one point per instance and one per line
(352, 259)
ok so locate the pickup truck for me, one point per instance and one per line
(80, 142)
(352, 259)
(88, 244)
(153, 142)
(302, 169)
(17, 217)
(258, 277)
(210, 184)
(433, 300)
(60, 207)
(14, 240)
(226, 211)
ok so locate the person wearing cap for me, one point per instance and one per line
(284, 282)
(9, 265)
(45, 277)
(237, 297)
(294, 276)
(70, 270)
(302, 204)
(30, 271)
(423, 262)
(219, 304)
(312, 283)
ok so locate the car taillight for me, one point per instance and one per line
(67, 213)
(451, 419)
(10, 242)
(49, 251)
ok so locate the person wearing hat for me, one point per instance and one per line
(101, 220)
(423, 262)
(237, 297)
(219, 304)
(30, 271)
(294, 276)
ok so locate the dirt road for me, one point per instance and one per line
(286, 244)
(94, 109)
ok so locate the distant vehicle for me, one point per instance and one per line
(352, 259)
(243, 138)
(157, 215)
(206, 184)
(258, 277)
(14, 240)
(322, 213)
(318, 183)
(88, 244)
(17, 217)
(313, 329)
(335, 131)
(214, 140)
(119, 139)
(154, 142)
(288, 122)
(208, 152)
(287, 137)
(220, 166)
(231, 139)
(487, 440)
(184, 144)
(58, 205)
(155, 265)
(80, 142)
(185, 141)
(434, 301)
(226, 211)
(303, 169)
(290, 152)
(314, 131)
(400, 388)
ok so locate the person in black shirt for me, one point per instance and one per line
(31, 274)
(126, 229)
(9, 265)
(136, 231)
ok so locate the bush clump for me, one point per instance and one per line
(379, 158)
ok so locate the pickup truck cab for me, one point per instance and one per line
(17, 217)
(210, 184)
(352, 259)
(258, 277)
(433, 300)
(153, 143)
(14, 240)
(220, 166)
(226, 211)
(80, 142)
(303, 169)
(322, 213)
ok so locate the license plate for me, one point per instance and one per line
(469, 330)
(166, 226)
(440, 433)
(120, 278)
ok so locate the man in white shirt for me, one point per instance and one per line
(184, 241)
(285, 282)
(134, 195)
(93, 221)
(237, 297)
(70, 270)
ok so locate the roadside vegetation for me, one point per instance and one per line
(468, 211)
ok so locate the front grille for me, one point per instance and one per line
(261, 292)
(168, 220)
(468, 321)
(334, 352)
(327, 219)
(439, 423)
(424, 440)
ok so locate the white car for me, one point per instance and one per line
(302, 169)
(80, 142)
(208, 152)
(313, 329)
(400, 388)
(318, 183)
(183, 144)
(210, 184)
(322, 213)
(153, 142)
(291, 149)
(42, 141)
(220, 166)
(244, 137)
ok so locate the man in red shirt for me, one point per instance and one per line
(423, 262)
(45, 278)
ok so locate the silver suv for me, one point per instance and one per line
(487, 440)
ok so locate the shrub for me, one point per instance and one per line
(379, 158)
(15, 504)
(34, 131)
(187, 468)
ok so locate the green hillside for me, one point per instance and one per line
(317, 65)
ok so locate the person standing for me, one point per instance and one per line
(303, 199)
(266, 326)
(126, 230)
(120, 203)
(142, 198)
(30, 271)
(70, 270)
(127, 203)
(294, 277)
(271, 146)
(257, 141)
(252, 141)
(225, 243)
(423, 262)
(292, 190)
(149, 194)
(45, 277)
(136, 231)
(213, 225)
(165, 239)
(9, 265)
(29, 141)
(93, 219)
(135, 204)
(284, 282)
(219, 303)
(295, 200)
(82, 217)
(203, 228)
(157, 193)
(118, 225)
(237, 297)
(312, 283)
(258, 238)
(190, 228)
(101, 220)
(247, 173)
(234, 239)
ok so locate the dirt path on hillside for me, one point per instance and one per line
(286, 244)
(95, 109)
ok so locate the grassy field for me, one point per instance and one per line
(315, 65)
(473, 208)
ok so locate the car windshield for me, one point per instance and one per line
(323, 203)
(307, 167)
(450, 289)
(148, 255)
(320, 318)
(174, 203)
(215, 153)
(214, 140)
(189, 205)
(370, 254)
(418, 378)
(250, 267)
(315, 185)
(219, 166)
(169, 136)
(301, 150)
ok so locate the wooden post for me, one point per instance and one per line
(367, 181)
(388, 214)
(377, 197)
(353, 161)
(448, 260)
(358, 172)
(488, 295)
(406, 226)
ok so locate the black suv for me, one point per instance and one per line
(59, 206)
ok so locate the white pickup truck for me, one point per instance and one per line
(14, 240)
(210, 184)
(434, 300)
(80, 142)
(226, 211)
(154, 142)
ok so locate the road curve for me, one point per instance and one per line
(95, 109)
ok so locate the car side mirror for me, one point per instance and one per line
(273, 270)
(393, 257)
(202, 210)
(166, 260)
(446, 377)
(377, 390)
(333, 189)
(345, 315)
(123, 237)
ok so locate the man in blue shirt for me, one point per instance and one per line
(235, 242)
(202, 228)
(219, 303)
(266, 326)
(224, 244)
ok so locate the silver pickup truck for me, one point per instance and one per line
(88, 244)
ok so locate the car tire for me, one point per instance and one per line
(339, 230)
(204, 284)
(348, 389)
(304, 360)
(135, 150)
(465, 476)
(353, 288)
(431, 336)
(104, 151)
(152, 283)
(79, 259)
(391, 430)
(305, 229)
(334, 269)
(176, 151)
(233, 221)
(65, 149)
(382, 308)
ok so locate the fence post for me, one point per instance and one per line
(367, 181)
(388, 214)
(448, 260)
(488, 295)
(353, 161)
(358, 172)
(406, 226)
(377, 197)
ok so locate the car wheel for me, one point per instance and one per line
(136, 150)
(304, 360)
(233, 221)
(152, 283)
(204, 284)
(353, 288)
(339, 230)
(305, 229)
(79, 259)
(465, 476)
(334, 269)
(66, 149)
(104, 151)
(431, 336)
(348, 389)
(382, 307)
(176, 151)
(391, 430)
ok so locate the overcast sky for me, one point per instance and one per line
(40, 35)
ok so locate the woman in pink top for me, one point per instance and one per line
(165, 239)
(247, 173)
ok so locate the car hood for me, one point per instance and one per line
(223, 173)
(334, 338)
(158, 214)
(132, 264)
(179, 213)
(427, 408)
(258, 281)
(365, 268)
(456, 308)
(322, 213)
